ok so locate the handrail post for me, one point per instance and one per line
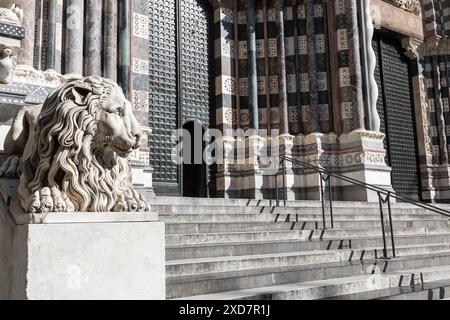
(380, 200)
(330, 190)
(284, 184)
(391, 224)
(323, 201)
(276, 188)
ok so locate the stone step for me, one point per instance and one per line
(435, 281)
(269, 246)
(181, 218)
(359, 286)
(302, 211)
(248, 262)
(329, 234)
(439, 290)
(315, 226)
(201, 284)
(184, 227)
(219, 202)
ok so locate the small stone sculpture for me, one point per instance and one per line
(12, 16)
(70, 154)
(8, 62)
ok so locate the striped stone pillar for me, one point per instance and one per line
(74, 28)
(93, 61)
(51, 35)
(312, 66)
(252, 68)
(125, 46)
(110, 40)
(283, 103)
(26, 51)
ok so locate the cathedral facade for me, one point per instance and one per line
(356, 86)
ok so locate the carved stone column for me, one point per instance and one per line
(368, 62)
(25, 55)
(440, 111)
(93, 62)
(51, 34)
(283, 103)
(414, 49)
(355, 64)
(125, 46)
(110, 40)
(252, 69)
(74, 27)
(312, 66)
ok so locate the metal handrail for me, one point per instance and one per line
(384, 196)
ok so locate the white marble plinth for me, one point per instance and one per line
(81, 256)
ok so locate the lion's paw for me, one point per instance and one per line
(131, 203)
(11, 167)
(121, 205)
(50, 200)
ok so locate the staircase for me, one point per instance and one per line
(249, 249)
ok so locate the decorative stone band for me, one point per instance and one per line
(10, 31)
(411, 6)
(359, 154)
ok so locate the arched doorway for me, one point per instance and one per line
(181, 81)
(396, 109)
(194, 168)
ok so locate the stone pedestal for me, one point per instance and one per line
(362, 157)
(435, 181)
(79, 255)
(316, 149)
(247, 179)
(285, 180)
(225, 147)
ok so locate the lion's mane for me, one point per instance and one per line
(66, 155)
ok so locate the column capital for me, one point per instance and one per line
(413, 48)
(279, 4)
(249, 3)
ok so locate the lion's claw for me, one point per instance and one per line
(50, 200)
(11, 167)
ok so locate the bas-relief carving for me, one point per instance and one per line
(70, 153)
(413, 48)
(8, 61)
(426, 121)
(12, 16)
(411, 6)
(8, 55)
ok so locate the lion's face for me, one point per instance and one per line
(117, 128)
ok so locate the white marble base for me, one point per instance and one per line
(81, 256)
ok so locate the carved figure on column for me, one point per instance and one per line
(70, 153)
(8, 62)
(12, 16)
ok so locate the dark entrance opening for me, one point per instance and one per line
(397, 114)
(195, 170)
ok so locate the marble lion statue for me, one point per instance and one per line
(71, 153)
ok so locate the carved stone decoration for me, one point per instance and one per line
(12, 16)
(371, 65)
(413, 48)
(426, 120)
(8, 61)
(71, 153)
(412, 6)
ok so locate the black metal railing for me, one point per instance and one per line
(384, 197)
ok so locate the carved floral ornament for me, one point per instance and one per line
(412, 6)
